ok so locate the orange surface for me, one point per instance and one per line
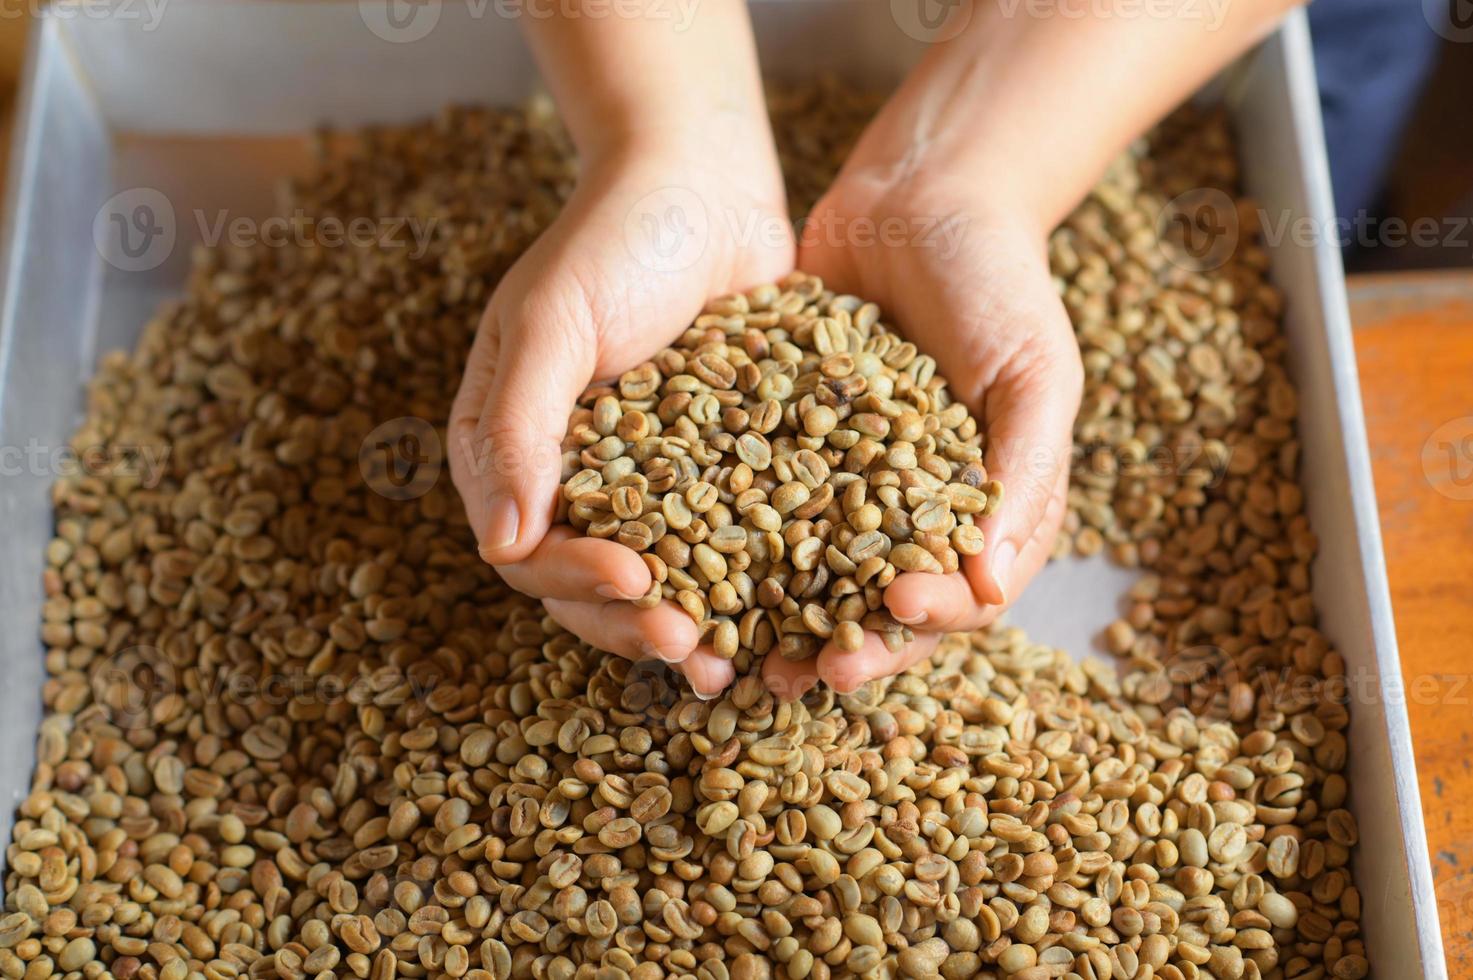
(1414, 341)
(14, 24)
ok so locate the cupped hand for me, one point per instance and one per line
(645, 240)
(967, 280)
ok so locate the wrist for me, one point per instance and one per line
(720, 164)
(969, 120)
(631, 85)
(711, 142)
(900, 171)
(960, 187)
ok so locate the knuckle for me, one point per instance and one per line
(567, 309)
(1049, 353)
(510, 421)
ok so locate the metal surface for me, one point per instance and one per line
(208, 106)
(1286, 170)
(51, 288)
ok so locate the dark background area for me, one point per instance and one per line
(1432, 174)
(1430, 171)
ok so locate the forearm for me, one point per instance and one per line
(1038, 104)
(672, 73)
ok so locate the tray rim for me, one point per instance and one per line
(1303, 95)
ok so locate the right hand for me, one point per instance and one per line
(646, 239)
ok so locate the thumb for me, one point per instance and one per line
(510, 459)
(1029, 419)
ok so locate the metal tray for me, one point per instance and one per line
(152, 120)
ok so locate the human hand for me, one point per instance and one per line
(592, 298)
(999, 131)
(672, 175)
(967, 280)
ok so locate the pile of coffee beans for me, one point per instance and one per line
(778, 466)
(296, 728)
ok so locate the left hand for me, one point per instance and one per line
(965, 278)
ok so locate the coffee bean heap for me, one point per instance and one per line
(296, 728)
(778, 466)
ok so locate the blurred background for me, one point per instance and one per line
(1395, 80)
(1395, 76)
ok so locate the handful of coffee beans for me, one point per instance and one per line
(777, 468)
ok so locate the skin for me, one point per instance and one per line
(987, 145)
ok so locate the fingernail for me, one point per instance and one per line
(1002, 569)
(612, 593)
(917, 620)
(502, 526)
(706, 697)
(670, 655)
